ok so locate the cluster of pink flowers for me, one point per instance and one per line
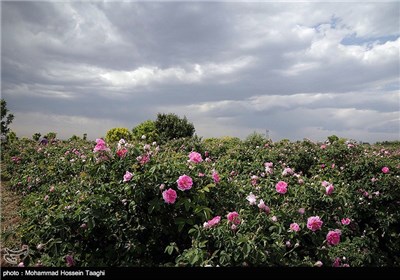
(264, 207)
(16, 159)
(214, 221)
(195, 157)
(333, 237)
(345, 221)
(184, 182)
(143, 159)
(314, 223)
(269, 167)
(233, 217)
(287, 171)
(101, 146)
(254, 180)
(122, 152)
(281, 187)
(169, 196)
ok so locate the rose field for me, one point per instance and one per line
(205, 202)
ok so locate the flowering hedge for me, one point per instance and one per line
(208, 202)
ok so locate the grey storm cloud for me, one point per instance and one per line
(300, 70)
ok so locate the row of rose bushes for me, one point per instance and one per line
(213, 202)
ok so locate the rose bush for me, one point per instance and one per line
(194, 202)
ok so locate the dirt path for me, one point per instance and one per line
(10, 219)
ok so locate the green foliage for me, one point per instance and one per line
(51, 135)
(170, 126)
(36, 136)
(146, 128)
(75, 201)
(6, 118)
(118, 133)
(256, 139)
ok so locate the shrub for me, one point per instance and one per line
(117, 133)
(147, 128)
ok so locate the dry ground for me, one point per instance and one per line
(10, 219)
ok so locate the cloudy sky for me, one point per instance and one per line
(300, 70)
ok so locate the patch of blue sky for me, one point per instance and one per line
(354, 40)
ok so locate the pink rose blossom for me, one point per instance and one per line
(264, 207)
(122, 152)
(214, 221)
(100, 146)
(169, 196)
(301, 211)
(195, 157)
(254, 180)
(201, 174)
(233, 217)
(215, 177)
(329, 189)
(252, 199)
(323, 146)
(274, 219)
(287, 171)
(128, 176)
(385, 169)
(52, 189)
(345, 221)
(333, 237)
(184, 182)
(70, 260)
(318, 264)
(336, 263)
(294, 227)
(325, 183)
(21, 264)
(162, 187)
(281, 187)
(314, 223)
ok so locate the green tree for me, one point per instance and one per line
(170, 126)
(116, 133)
(36, 136)
(147, 128)
(6, 119)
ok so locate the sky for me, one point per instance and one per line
(297, 69)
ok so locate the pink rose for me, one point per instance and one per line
(100, 146)
(325, 183)
(294, 227)
(333, 237)
(314, 223)
(264, 207)
(336, 263)
(252, 199)
(214, 221)
(301, 211)
(215, 177)
(385, 169)
(128, 176)
(122, 152)
(169, 196)
(345, 221)
(184, 182)
(281, 187)
(195, 157)
(233, 217)
(329, 189)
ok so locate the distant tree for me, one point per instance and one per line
(36, 136)
(6, 119)
(85, 136)
(51, 135)
(170, 126)
(147, 128)
(117, 133)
